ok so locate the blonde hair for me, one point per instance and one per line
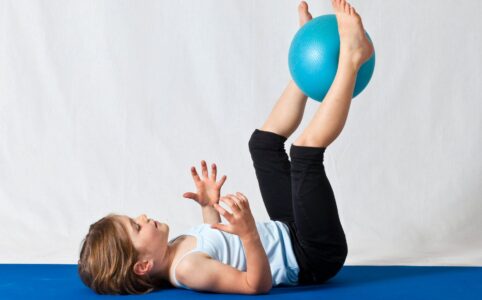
(107, 259)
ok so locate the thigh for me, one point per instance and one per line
(273, 171)
(312, 271)
(316, 216)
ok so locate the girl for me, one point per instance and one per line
(303, 243)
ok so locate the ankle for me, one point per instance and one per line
(349, 64)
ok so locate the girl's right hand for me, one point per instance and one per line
(241, 221)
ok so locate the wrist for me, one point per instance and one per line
(210, 214)
(251, 237)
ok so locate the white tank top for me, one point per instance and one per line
(228, 249)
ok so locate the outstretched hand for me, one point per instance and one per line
(241, 220)
(208, 190)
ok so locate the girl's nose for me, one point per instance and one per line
(142, 217)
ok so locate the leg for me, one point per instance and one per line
(355, 49)
(330, 117)
(317, 222)
(273, 171)
(288, 111)
(267, 149)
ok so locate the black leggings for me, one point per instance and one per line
(300, 195)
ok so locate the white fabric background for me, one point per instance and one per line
(105, 105)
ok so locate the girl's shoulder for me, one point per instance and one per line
(184, 257)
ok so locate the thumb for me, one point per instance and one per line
(219, 226)
(190, 195)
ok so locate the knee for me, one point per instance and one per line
(265, 140)
(252, 143)
(310, 141)
(256, 145)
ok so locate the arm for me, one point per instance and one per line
(210, 215)
(258, 275)
(211, 275)
(207, 274)
(241, 223)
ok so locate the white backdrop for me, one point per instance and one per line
(105, 105)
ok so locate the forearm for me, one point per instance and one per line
(210, 215)
(258, 271)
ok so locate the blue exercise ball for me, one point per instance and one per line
(313, 58)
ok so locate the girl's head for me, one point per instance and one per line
(121, 255)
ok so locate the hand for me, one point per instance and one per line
(241, 221)
(208, 190)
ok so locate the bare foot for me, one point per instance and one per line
(354, 45)
(305, 15)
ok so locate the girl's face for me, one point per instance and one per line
(149, 237)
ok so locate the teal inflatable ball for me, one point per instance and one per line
(313, 58)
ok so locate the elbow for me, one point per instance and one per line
(259, 290)
(264, 290)
(263, 286)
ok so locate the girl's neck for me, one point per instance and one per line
(173, 251)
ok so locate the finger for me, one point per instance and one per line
(221, 227)
(221, 181)
(227, 215)
(235, 209)
(194, 174)
(204, 168)
(214, 172)
(243, 199)
(232, 202)
(236, 198)
(241, 195)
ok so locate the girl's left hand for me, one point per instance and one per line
(208, 190)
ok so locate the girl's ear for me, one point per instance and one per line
(143, 267)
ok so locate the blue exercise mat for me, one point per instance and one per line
(20, 281)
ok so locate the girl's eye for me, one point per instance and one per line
(138, 227)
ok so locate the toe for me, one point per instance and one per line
(302, 7)
(355, 13)
(346, 8)
(343, 5)
(305, 15)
